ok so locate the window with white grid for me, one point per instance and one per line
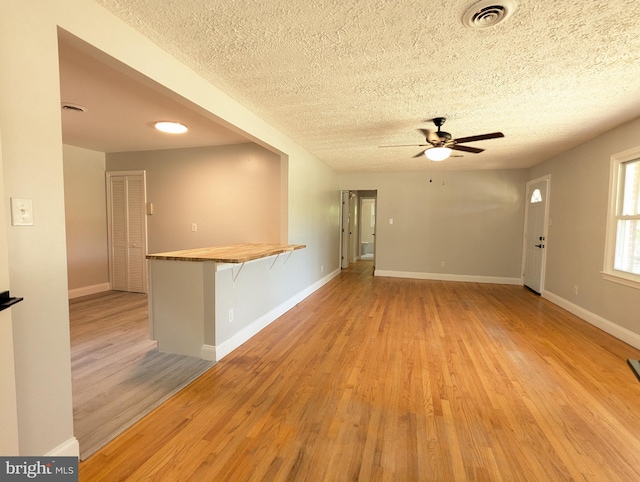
(622, 256)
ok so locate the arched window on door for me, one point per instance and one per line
(536, 196)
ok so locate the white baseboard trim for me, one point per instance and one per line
(449, 277)
(319, 284)
(598, 321)
(226, 347)
(70, 448)
(89, 290)
(208, 352)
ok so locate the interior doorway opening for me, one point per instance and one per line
(358, 226)
(367, 231)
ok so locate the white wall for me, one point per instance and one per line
(8, 404)
(32, 158)
(474, 222)
(578, 214)
(86, 220)
(233, 194)
(33, 168)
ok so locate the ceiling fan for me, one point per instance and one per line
(440, 143)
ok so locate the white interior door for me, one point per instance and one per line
(535, 236)
(127, 231)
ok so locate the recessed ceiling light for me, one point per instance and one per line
(171, 127)
(487, 13)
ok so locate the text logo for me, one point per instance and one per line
(52, 469)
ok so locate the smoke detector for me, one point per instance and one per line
(487, 13)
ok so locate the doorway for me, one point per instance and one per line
(345, 229)
(358, 226)
(367, 225)
(535, 234)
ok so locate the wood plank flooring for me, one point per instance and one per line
(399, 380)
(118, 374)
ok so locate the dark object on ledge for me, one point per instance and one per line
(6, 301)
(635, 367)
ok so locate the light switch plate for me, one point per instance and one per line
(21, 212)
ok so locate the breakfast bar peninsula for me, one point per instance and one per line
(205, 302)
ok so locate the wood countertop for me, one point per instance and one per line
(235, 253)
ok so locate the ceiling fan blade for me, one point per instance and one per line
(493, 135)
(408, 145)
(473, 150)
(419, 154)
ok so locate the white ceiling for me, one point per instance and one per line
(123, 106)
(342, 78)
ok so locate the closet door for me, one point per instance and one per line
(127, 231)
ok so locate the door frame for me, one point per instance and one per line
(527, 200)
(375, 224)
(345, 238)
(9, 445)
(109, 175)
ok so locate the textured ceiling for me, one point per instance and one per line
(344, 77)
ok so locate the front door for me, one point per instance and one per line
(127, 231)
(535, 236)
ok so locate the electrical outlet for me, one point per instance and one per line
(442, 264)
(575, 290)
(194, 227)
(231, 315)
(322, 268)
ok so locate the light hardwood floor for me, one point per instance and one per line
(399, 380)
(118, 374)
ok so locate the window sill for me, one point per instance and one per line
(621, 279)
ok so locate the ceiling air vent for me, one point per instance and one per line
(73, 107)
(487, 13)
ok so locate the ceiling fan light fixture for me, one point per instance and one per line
(171, 127)
(437, 153)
